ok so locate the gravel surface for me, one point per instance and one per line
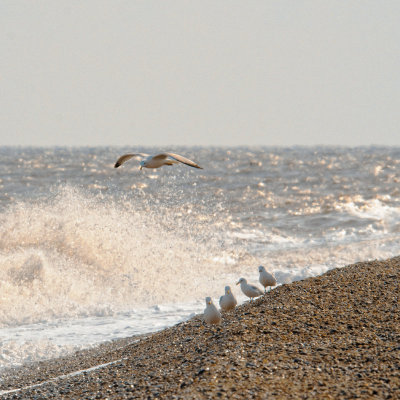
(336, 336)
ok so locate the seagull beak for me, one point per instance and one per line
(140, 168)
(237, 283)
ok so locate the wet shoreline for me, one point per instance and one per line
(333, 336)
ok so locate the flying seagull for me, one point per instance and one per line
(157, 161)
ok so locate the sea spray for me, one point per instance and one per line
(77, 254)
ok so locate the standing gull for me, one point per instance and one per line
(249, 290)
(211, 314)
(265, 278)
(157, 160)
(227, 301)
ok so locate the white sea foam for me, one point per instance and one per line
(387, 217)
(48, 339)
(78, 256)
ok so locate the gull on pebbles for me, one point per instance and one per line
(211, 314)
(265, 278)
(249, 290)
(227, 301)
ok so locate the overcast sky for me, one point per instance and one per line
(219, 72)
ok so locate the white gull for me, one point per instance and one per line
(211, 314)
(265, 278)
(227, 301)
(249, 290)
(157, 160)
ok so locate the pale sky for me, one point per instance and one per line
(218, 72)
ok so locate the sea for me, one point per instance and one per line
(90, 253)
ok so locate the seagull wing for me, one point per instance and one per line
(256, 289)
(127, 157)
(177, 157)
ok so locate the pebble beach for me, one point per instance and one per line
(335, 336)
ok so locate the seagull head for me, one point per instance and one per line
(241, 280)
(208, 300)
(261, 268)
(227, 289)
(142, 164)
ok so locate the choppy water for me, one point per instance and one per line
(90, 253)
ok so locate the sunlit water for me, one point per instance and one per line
(90, 253)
